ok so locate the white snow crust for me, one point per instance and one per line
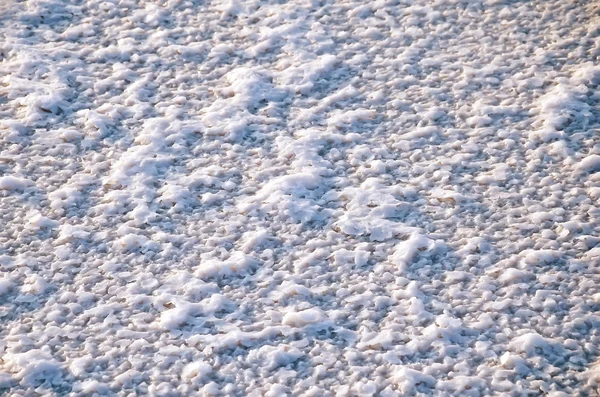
(299, 198)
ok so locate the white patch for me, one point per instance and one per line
(304, 317)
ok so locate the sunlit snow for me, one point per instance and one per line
(299, 198)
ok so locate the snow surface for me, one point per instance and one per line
(317, 198)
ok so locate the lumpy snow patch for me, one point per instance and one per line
(462, 383)
(588, 74)
(589, 164)
(176, 317)
(372, 209)
(510, 276)
(274, 357)
(530, 343)
(33, 367)
(238, 263)
(36, 221)
(292, 196)
(561, 106)
(12, 183)
(406, 251)
(534, 257)
(408, 379)
(6, 285)
(302, 318)
(196, 370)
(80, 365)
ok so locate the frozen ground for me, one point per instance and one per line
(306, 198)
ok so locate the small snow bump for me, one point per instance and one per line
(304, 317)
(589, 164)
(12, 183)
(196, 370)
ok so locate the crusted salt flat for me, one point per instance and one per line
(269, 198)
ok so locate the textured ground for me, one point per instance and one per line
(308, 198)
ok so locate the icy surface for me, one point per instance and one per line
(267, 198)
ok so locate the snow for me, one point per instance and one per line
(11, 183)
(196, 370)
(6, 286)
(408, 379)
(530, 343)
(238, 263)
(299, 198)
(303, 317)
(589, 163)
(406, 250)
(34, 367)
